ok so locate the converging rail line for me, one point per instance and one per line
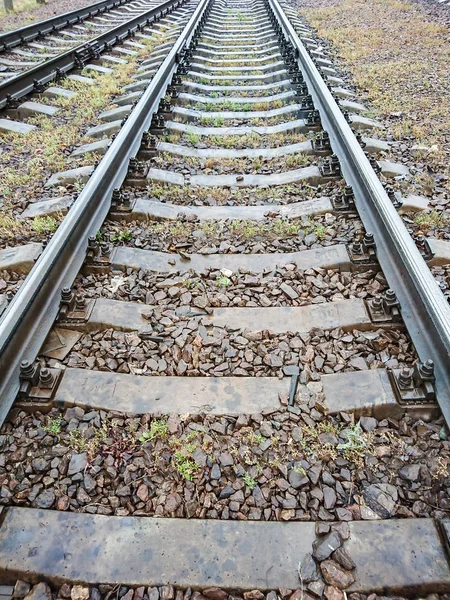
(231, 361)
(36, 63)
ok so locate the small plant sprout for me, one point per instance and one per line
(185, 464)
(77, 441)
(44, 225)
(158, 430)
(356, 442)
(299, 469)
(192, 137)
(53, 426)
(249, 481)
(431, 220)
(223, 281)
(122, 236)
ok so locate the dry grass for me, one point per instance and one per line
(220, 195)
(400, 60)
(19, 6)
(245, 229)
(233, 165)
(48, 147)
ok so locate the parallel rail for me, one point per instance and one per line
(25, 82)
(32, 312)
(425, 310)
(14, 38)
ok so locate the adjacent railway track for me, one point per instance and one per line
(17, 37)
(65, 46)
(236, 341)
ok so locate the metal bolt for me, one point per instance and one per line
(348, 194)
(369, 240)
(426, 369)
(373, 163)
(66, 295)
(377, 303)
(390, 295)
(26, 369)
(46, 378)
(361, 142)
(357, 248)
(405, 378)
(80, 302)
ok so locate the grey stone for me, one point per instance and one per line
(226, 492)
(297, 479)
(324, 547)
(45, 499)
(329, 497)
(308, 569)
(410, 472)
(343, 558)
(21, 589)
(77, 463)
(381, 498)
(368, 423)
(40, 591)
(215, 471)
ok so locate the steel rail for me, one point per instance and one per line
(31, 314)
(10, 39)
(424, 308)
(26, 81)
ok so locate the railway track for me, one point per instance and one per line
(228, 369)
(25, 48)
(29, 66)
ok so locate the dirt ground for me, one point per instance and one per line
(398, 55)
